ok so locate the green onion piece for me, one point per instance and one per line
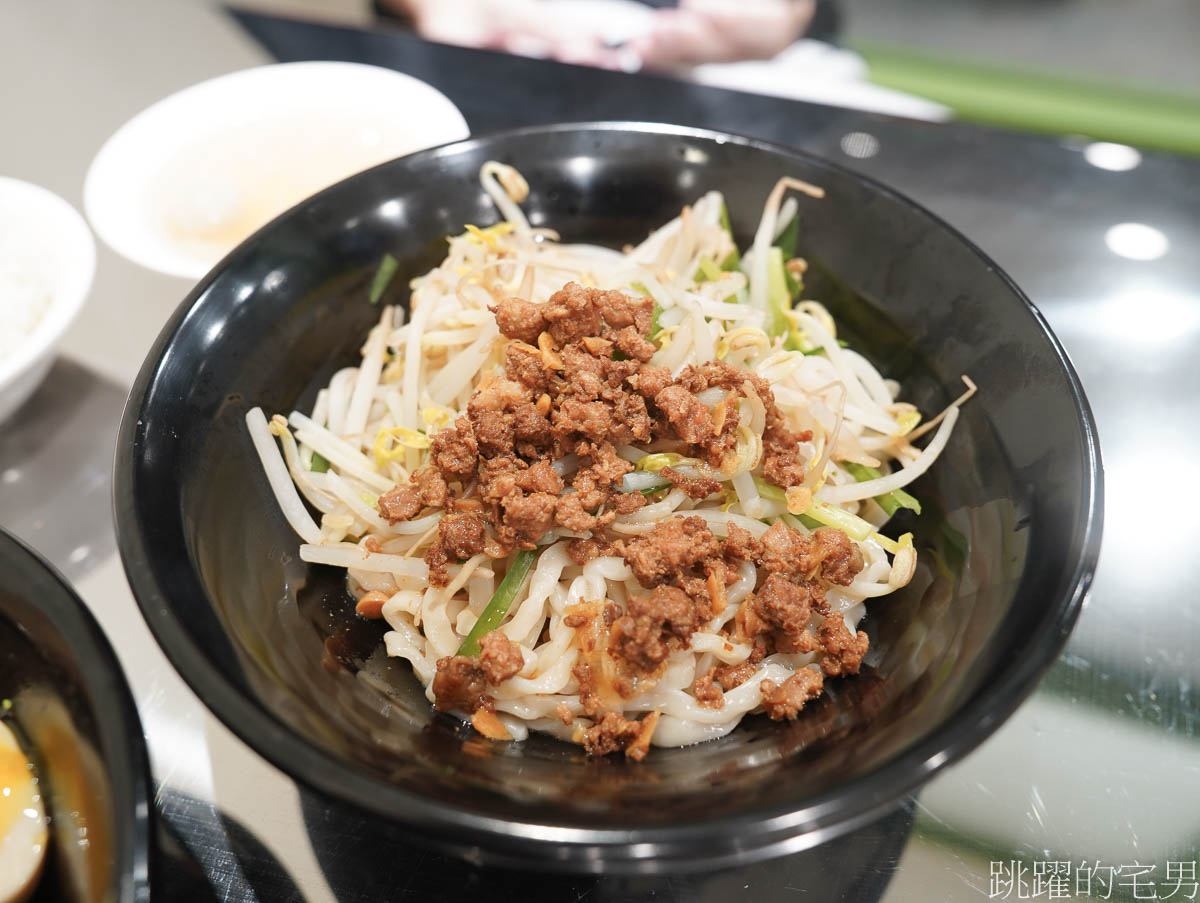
(733, 260)
(819, 513)
(795, 285)
(832, 516)
(707, 270)
(789, 237)
(861, 472)
(655, 328)
(502, 599)
(778, 299)
(890, 502)
(893, 501)
(650, 490)
(383, 275)
(786, 243)
(319, 464)
(795, 341)
(768, 490)
(725, 223)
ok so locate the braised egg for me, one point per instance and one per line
(22, 821)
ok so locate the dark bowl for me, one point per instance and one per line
(1012, 522)
(73, 712)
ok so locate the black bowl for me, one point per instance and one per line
(1012, 521)
(72, 706)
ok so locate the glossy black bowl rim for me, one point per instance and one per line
(738, 839)
(116, 720)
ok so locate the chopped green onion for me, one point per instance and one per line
(778, 299)
(502, 599)
(387, 269)
(794, 285)
(789, 237)
(786, 243)
(832, 516)
(650, 490)
(819, 513)
(319, 464)
(733, 260)
(707, 271)
(890, 502)
(724, 217)
(861, 472)
(768, 490)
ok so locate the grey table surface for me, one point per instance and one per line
(1099, 769)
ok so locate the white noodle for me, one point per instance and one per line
(417, 379)
(351, 556)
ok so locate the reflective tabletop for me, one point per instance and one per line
(1089, 791)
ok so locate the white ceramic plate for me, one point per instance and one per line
(185, 180)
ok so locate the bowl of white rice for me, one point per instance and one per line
(47, 260)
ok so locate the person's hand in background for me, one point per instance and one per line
(721, 31)
(525, 27)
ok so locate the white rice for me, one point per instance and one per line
(26, 287)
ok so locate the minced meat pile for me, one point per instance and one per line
(577, 381)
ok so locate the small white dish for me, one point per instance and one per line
(47, 261)
(185, 180)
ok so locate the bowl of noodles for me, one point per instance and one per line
(609, 497)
